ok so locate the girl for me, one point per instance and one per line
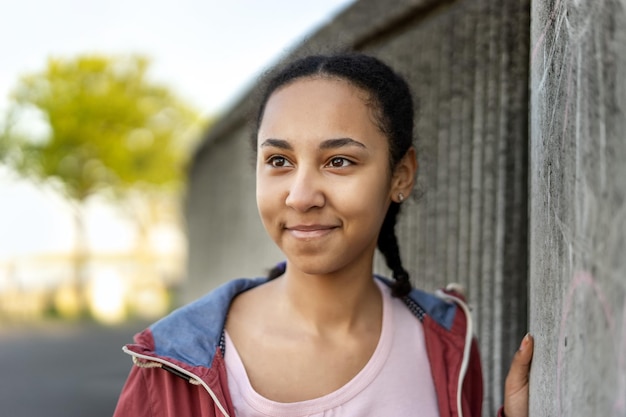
(323, 336)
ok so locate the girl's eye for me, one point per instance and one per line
(278, 161)
(339, 162)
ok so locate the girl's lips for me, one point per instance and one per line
(310, 231)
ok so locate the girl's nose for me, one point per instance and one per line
(305, 191)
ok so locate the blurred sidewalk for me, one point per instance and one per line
(63, 369)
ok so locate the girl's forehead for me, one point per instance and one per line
(316, 86)
(313, 110)
(323, 102)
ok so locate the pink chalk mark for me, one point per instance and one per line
(582, 278)
(551, 19)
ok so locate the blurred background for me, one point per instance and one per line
(101, 107)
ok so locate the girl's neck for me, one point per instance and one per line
(339, 302)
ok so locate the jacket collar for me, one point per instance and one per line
(192, 334)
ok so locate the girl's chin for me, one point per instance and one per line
(314, 268)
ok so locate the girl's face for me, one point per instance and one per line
(323, 177)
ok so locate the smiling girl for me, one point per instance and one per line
(322, 335)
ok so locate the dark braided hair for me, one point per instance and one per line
(392, 104)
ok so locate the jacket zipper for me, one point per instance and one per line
(181, 372)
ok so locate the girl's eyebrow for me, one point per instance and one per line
(277, 143)
(327, 144)
(339, 143)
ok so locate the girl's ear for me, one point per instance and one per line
(403, 177)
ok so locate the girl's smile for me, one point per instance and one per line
(309, 232)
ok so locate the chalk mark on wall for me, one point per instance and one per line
(551, 18)
(584, 279)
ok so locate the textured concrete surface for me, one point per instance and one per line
(467, 62)
(578, 208)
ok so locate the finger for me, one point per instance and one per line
(516, 388)
(520, 366)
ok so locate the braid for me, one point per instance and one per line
(388, 246)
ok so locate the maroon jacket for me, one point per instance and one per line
(189, 344)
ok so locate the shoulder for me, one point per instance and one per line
(250, 309)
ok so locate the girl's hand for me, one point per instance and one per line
(516, 385)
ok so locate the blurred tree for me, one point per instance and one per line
(109, 130)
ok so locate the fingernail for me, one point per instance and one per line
(525, 342)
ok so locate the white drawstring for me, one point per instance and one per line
(194, 379)
(467, 348)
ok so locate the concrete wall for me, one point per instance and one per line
(578, 208)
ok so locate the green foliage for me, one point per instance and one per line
(109, 127)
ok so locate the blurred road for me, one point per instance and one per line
(63, 369)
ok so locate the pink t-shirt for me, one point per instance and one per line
(396, 381)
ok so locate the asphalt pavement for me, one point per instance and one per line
(63, 369)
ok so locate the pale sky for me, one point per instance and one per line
(207, 51)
